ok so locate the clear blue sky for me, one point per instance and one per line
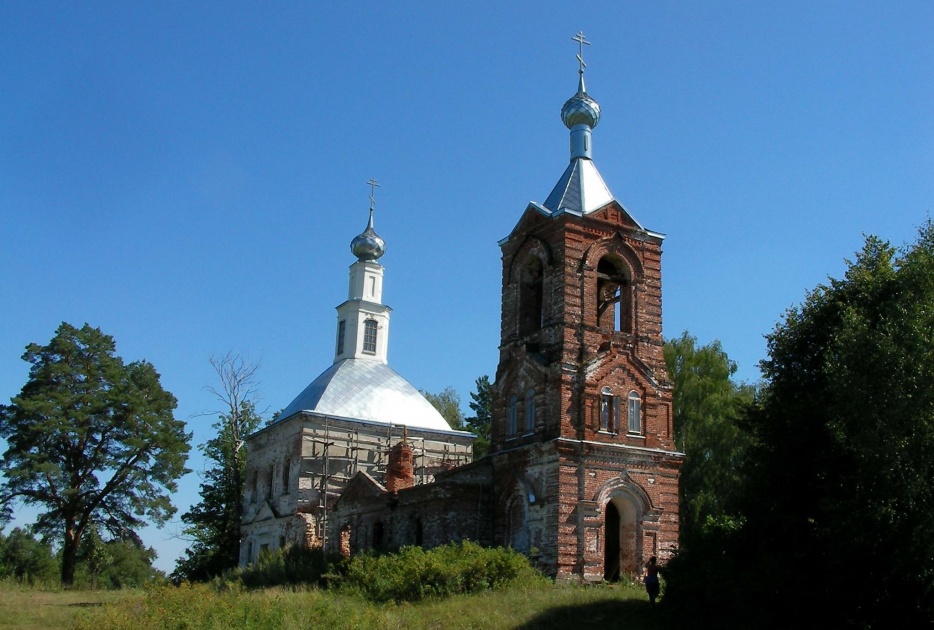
(188, 176)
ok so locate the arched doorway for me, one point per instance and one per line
(620, 545)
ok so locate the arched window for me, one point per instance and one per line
(530, 411)
(614, 295)
(531, 296)
(635, 412)
(511, 412)
(369, 335)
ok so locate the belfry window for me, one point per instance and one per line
(531, 297)
(369, 335)
(635, 412)
(512, 411)
(341, 331)
(530, 411)
(614, 295)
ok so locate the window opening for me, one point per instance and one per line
(614, 303)
(635, 412)
(286, 466)
(530, 411)
(531, 297)
(369, 335)
(511, 414)
(341, 331)
(606, 409)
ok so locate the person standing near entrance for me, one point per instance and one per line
(651, 579)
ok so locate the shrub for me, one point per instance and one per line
(413, 574)
(291, 565)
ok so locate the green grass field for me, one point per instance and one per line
(202, 606)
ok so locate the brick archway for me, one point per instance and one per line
(625, 507)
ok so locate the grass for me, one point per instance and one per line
(39, 608)
(204, 606)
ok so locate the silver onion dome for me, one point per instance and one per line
(580, 109)
(368, 245)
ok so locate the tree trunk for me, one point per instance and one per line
(69, 556)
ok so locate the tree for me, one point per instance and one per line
(845, 435)
(93, 554)
(707, 406)
(481, 423)
(837, 497)
(91, 440)
(214, 522)
(25, 558)
(448, 404)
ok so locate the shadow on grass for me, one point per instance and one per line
(609, 614)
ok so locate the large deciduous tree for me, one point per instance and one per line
(844, 441)
(213, 523)
(707, 405)
(837, 500)
(91, 440)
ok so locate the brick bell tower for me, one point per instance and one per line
(584, 458)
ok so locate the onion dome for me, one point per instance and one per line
(580, 109)
(368, 245)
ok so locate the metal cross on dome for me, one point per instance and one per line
(373, 186)
(582, 41)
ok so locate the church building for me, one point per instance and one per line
(342, 424)
(583, 473)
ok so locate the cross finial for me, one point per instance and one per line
(582, 41)
(373, 186)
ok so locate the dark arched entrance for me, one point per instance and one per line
(611, 546)
(621, 534)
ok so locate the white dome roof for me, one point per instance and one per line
(362, 389)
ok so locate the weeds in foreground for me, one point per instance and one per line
(203, 606)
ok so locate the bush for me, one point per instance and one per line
(413, 574)
(291, 565)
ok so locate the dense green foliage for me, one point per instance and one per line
(414, 574)
(707, 406)
(288, 566)
(481, 423)
(837, 498)
(448, 404)
(26, 559)
(100, 564)
(407, 575)
(91, 441)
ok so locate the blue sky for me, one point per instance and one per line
(188, 176)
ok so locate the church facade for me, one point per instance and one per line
(583, 473)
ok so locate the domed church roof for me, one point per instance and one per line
(363, 389)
